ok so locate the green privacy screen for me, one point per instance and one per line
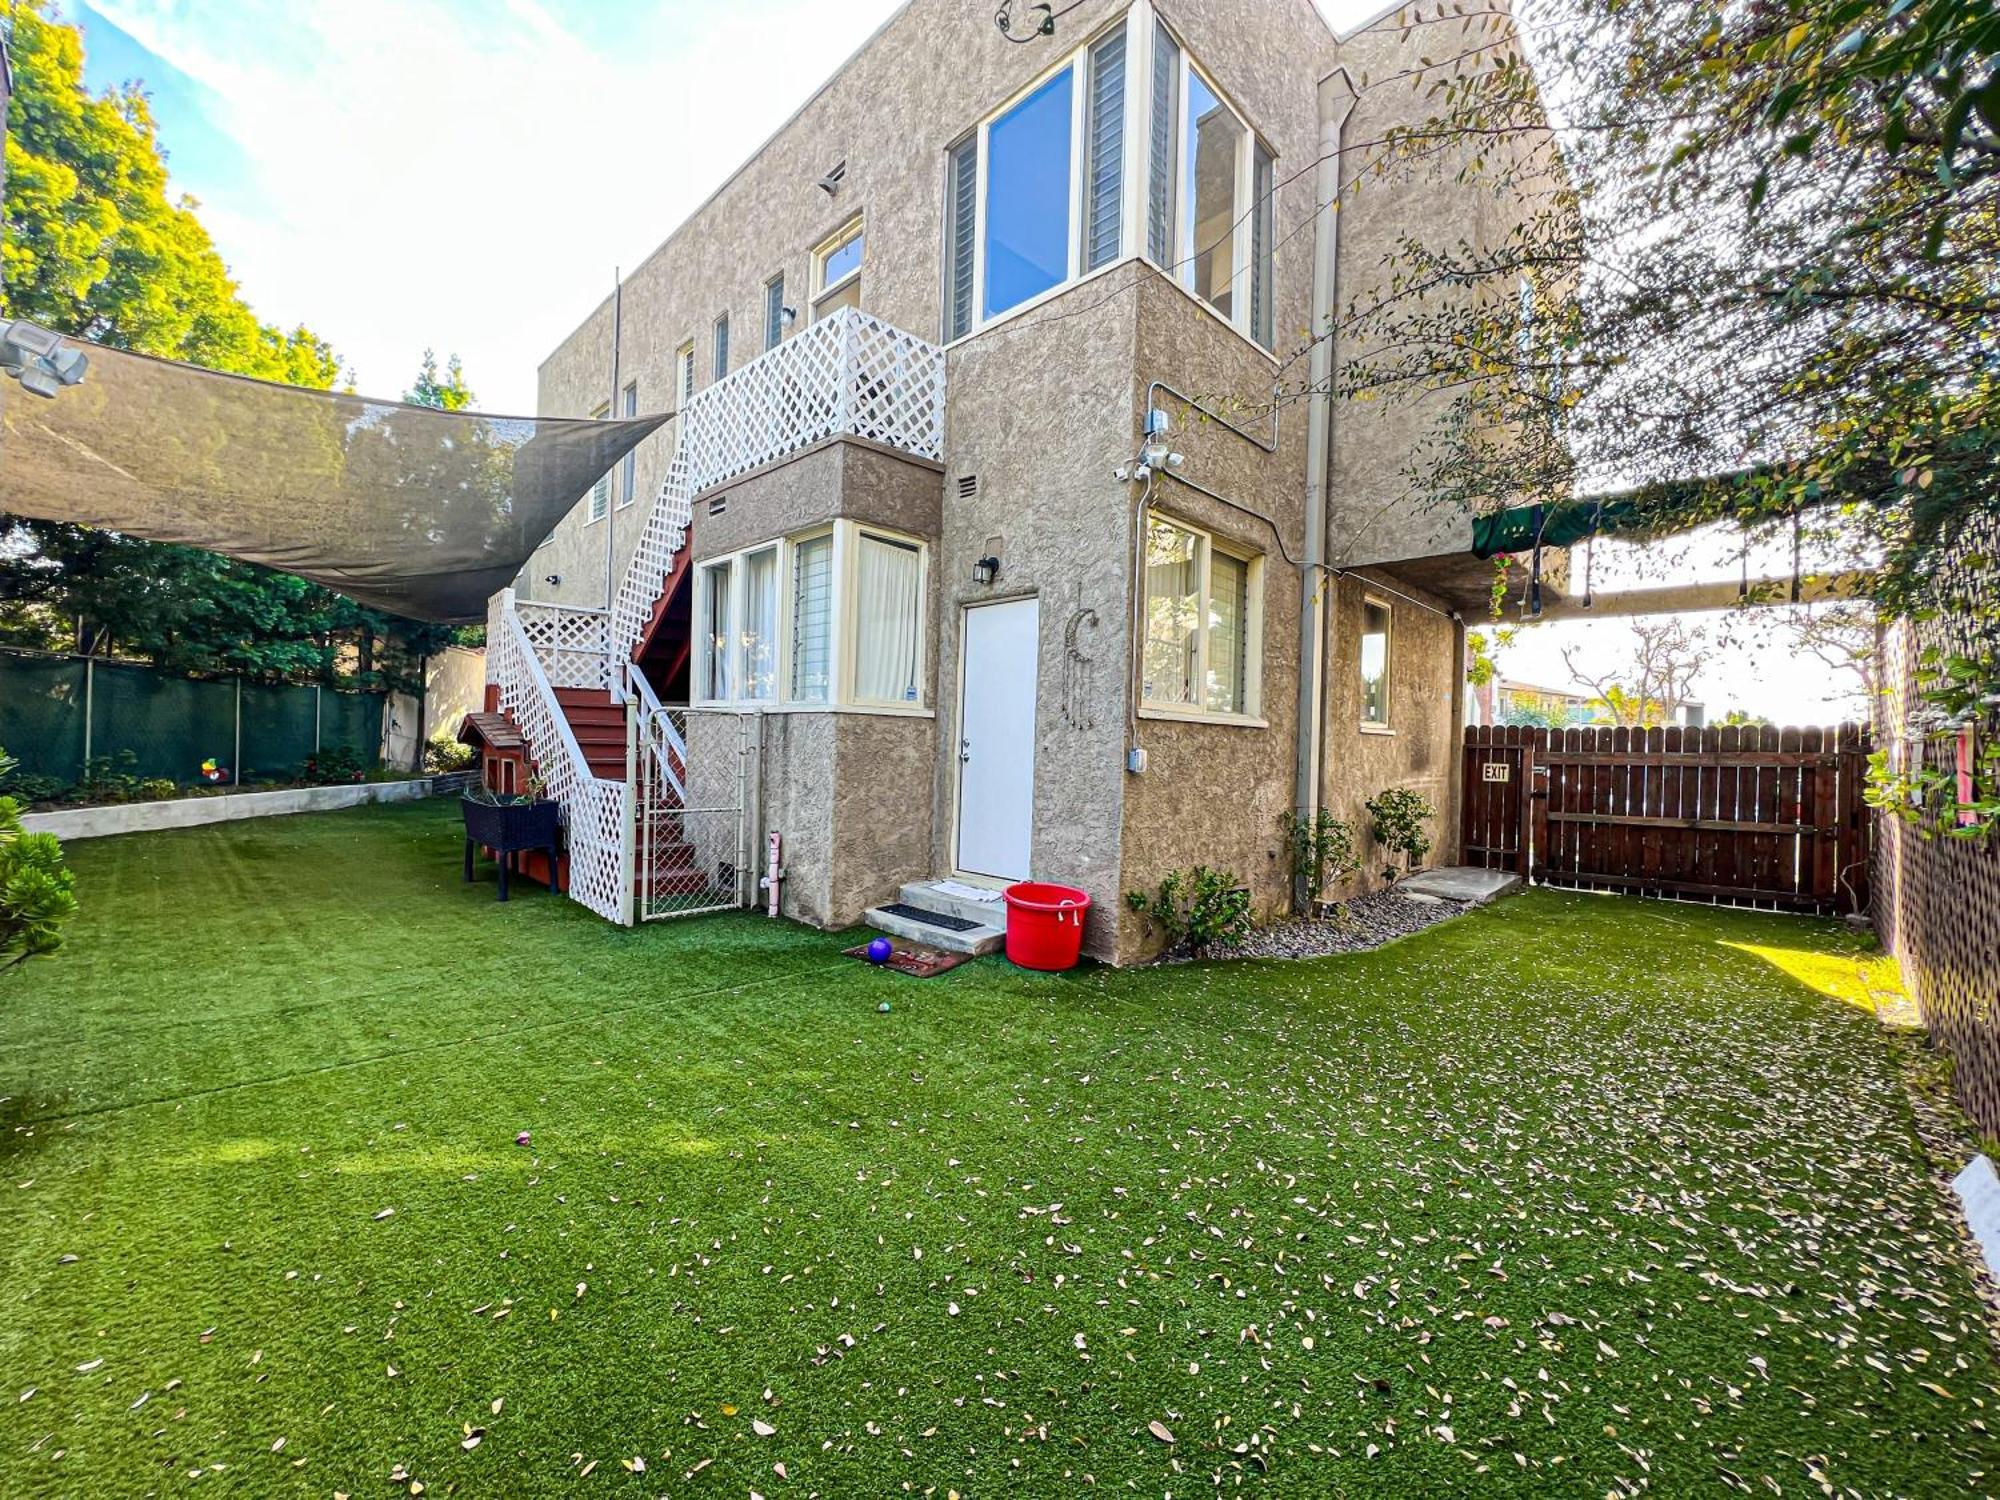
(168, 724)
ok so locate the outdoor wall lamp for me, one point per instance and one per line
(986, 569)
(552, 579)
(39, 359)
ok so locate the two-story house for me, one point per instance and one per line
(979, 547)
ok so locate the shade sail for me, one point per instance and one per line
(422, 512)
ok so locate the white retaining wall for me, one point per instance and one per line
(190, 812)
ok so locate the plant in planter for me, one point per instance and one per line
(509, 824)
(1322, 850)
(1200, 907)
(1399, 816)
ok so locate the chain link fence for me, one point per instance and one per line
(75, 721)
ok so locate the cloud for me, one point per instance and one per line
(465, 176)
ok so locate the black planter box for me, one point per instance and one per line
(507, 830)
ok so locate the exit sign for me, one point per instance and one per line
(1496, 770)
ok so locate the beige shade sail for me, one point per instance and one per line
(421, 512)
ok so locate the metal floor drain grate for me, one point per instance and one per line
(932, 918)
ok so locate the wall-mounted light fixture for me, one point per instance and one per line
(41, 360)
(788, 316)
(986, 569)
(552, 579)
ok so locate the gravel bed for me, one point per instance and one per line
(1353, 927)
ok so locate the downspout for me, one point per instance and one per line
(1336, 102)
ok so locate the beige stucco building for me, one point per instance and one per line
(983, 637)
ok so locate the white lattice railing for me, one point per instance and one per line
(594, 809)
(658, 735)
(850, 373)
(572, 644)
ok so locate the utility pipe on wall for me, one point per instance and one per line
(1336, 102)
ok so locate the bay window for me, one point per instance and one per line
(1044, 190)
(832, 617)
(1035, 196)
(1201, 624)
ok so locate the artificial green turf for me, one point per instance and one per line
(1574, 1194)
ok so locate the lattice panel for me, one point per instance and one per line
(849, 373)
(593, 809)
(1937, 898)
(573, 645)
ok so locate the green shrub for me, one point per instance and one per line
(156, 789)
(443, 753)
(1400, 815)
(1200, 907)
(27, 786)
(36, 891)
(336, 764)
(109, 778)
(1322, 850)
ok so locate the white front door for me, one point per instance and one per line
(996, 746)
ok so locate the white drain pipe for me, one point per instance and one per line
(1336, 102)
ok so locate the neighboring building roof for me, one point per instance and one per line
(494, 731)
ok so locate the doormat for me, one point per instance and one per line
(914, 959)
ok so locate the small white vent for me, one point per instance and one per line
(968, 486)
(718, 505)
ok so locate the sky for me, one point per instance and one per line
(467, 175)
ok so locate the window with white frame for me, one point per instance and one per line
(1208, 201)
(1201, 612)
(628, 487)
(721, 347)
(600, 492)
(684, 372)
(1035, 195)
(774, 311)
(837, 271)
(1376, 621)
(828, 617)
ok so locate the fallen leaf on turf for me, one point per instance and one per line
(761, 1428)
(1161, 1431)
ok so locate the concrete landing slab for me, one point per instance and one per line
(1460, 883)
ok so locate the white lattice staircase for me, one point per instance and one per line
(566, 675)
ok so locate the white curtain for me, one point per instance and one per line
(885, 653)
(760, 624)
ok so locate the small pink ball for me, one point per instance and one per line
(521, 1139)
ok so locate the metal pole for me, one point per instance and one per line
(611, 505)
(316, 692)
(89, 707)
(236, 759)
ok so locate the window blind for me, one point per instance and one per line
(812, 611)
(961, 189)
(1261, 219)
(1104, 136)
(1160, 150)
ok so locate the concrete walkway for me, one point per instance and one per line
(1460, 883)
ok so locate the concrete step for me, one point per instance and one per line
(973, 940)
(925, 893)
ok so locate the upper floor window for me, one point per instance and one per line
(684, 372)
(1041, 192)
(1208, 200)
(628, 487)
(834, 616)
(1018, 183)
(837, 271)
(600, 492)
(721, 347)
(1201, 623)
(774, 311)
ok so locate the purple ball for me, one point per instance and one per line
(880, 950)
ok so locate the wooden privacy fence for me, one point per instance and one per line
(1752, 816)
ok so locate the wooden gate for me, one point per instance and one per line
(1755, 816)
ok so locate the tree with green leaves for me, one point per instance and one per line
(93, 248)
(446, 392)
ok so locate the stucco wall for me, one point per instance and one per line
(843, 477)
(1421, 749)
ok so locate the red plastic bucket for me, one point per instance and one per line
(1045, 924)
